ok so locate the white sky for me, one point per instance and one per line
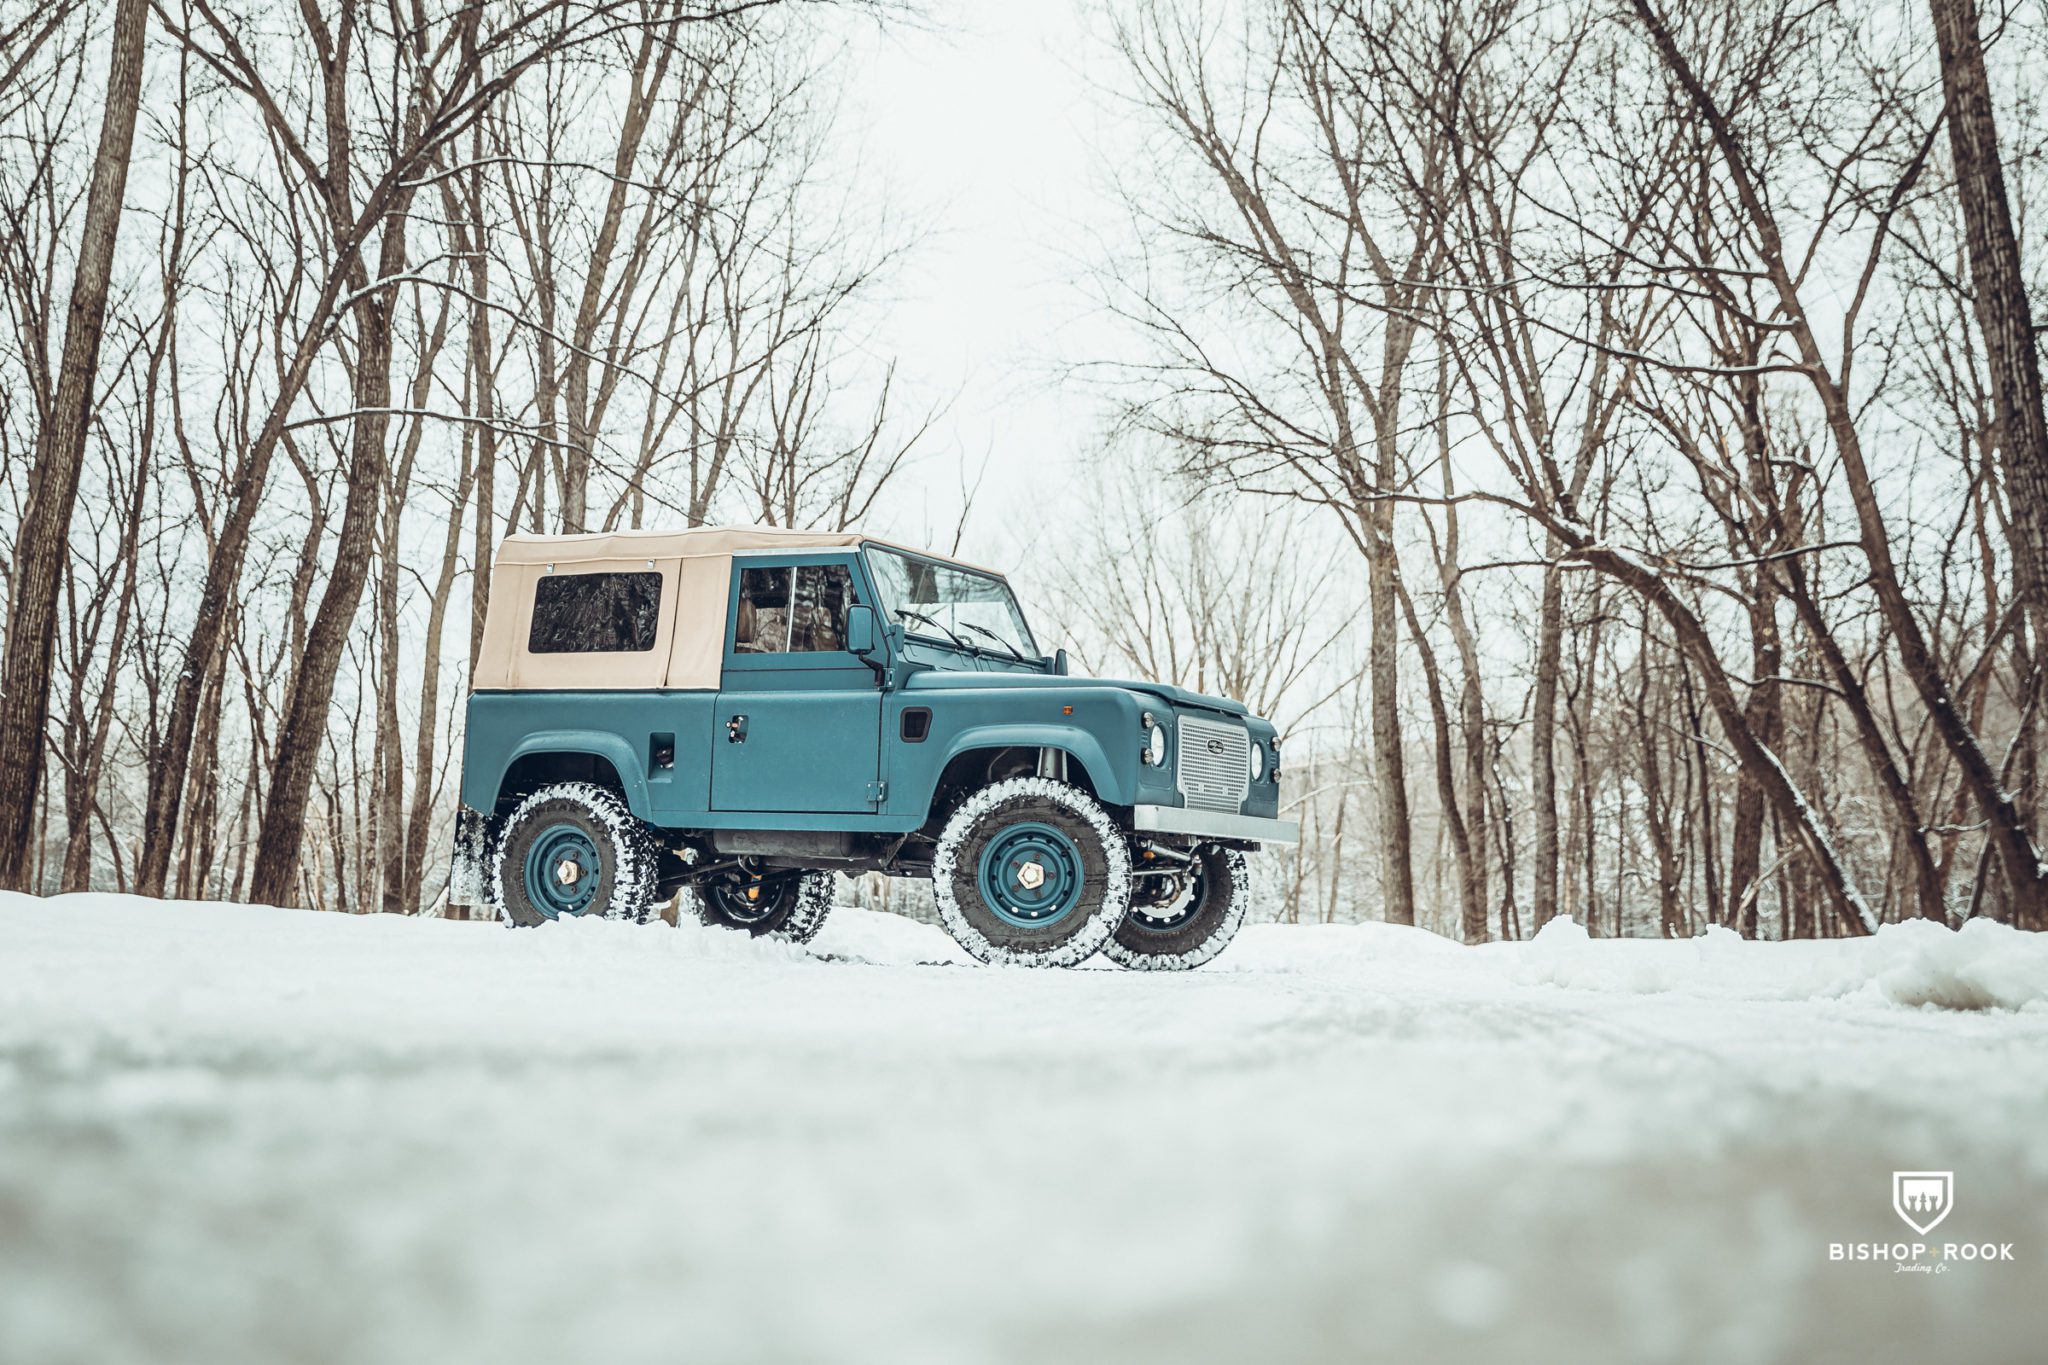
(983, 126)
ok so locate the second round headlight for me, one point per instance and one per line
(1155, 745)
(1258, 762)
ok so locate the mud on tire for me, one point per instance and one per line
(1192, 928)
(1031, 872)
(572, 849)
(787, 905)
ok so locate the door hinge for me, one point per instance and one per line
(877, 793)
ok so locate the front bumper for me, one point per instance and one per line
(1214, 824)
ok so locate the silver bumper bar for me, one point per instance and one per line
(1215, 824)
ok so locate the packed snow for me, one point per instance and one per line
(233, 1133)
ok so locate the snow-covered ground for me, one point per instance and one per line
(237, 1134)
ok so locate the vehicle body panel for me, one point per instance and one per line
(833, 741)
(795, 732)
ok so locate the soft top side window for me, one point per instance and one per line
(793, 610)
(595, 613)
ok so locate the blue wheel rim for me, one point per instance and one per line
(1031, 876)
(549, 860)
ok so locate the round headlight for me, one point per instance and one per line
(1258, 762)
(1155, 745)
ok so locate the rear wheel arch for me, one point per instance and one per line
(535, 768)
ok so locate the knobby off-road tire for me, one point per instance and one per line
(1032, 872)
(572, 849)
(787, 905)
(1193, 927)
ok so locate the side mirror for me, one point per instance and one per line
(1059, 662)
(860, 631)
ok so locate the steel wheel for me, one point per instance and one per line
(570, 850)
(1183, 919)
(790, 905)
(1031, 876)
(563, 871)
(1032, 872)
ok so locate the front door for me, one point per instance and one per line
(798, 724)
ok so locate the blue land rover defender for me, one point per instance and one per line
(738, 713)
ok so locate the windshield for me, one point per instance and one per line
(931, 597)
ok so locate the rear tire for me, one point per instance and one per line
(1032, 872)
(786, 905)
(572, 850)
(1194, 926)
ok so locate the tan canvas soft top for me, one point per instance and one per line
(696, 578)
(659, 545)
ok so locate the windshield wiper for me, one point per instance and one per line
(907, 614)
(1008, 648)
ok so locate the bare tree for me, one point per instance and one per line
(2004, 313)
(36, 578)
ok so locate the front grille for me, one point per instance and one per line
(1215, 764)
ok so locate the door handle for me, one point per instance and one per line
(736, 730)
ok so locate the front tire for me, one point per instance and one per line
(572, 850)
(1184, 929)
(1032, 872)
(786, 905)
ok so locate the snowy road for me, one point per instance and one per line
(236, 1134)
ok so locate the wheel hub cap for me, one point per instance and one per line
(1030, 875)
(564, 872)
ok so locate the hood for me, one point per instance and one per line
(944, 679)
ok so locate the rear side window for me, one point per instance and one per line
(793, 611)
(595, 613)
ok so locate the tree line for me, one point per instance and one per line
(1672, 372)
(1608, 435)
(307, 316)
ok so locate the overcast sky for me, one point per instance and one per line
(983, 124)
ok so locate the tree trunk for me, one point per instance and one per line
(483, 400)
(1397, 877)
(1471, 891)
(1471, 696)
(2011, 350)
(420, 820)
(390, 770)
(1745, 851)
(1543, 868)
(303, 727)
(1655, 813)
(1701, 762)
(45, 533)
